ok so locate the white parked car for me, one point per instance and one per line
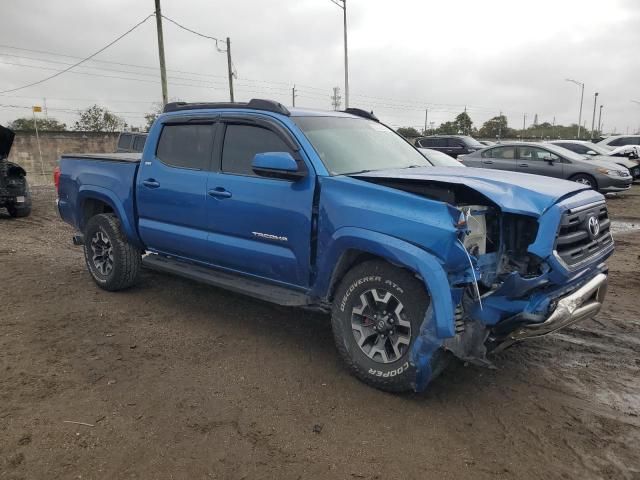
(439, 159)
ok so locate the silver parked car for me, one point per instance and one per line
(552, 161)
(598, 152)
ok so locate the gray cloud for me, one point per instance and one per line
(405, 56)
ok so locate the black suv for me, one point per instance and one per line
(452, 145)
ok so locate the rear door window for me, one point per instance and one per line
(186, 146)
(433, 142)
(505, 153)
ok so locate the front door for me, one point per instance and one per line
(172, 191)
(539, 161)
(259, 226)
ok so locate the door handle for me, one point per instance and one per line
(523, 165)
(150, 183)
(220, 192)
(488, 162)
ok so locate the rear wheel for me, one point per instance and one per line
(585, 179)
(112, 261)
(377, 313)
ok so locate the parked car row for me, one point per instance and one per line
(607, 166)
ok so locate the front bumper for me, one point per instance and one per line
(610, 185)
(584, 303)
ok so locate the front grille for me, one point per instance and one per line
(635, 172)
(576, 241)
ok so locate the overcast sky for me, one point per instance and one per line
(405, 56)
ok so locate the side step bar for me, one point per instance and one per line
(236, 283)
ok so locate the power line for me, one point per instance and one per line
(196, 33)
(81, 61)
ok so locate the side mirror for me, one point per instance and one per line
(276, 165)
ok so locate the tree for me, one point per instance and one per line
(447, 128)
(495, 127)
(26, 123)
(157, 109)
(408, 132)
(98, 119)
(464, 123)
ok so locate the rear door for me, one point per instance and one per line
(172, 190)
(539, 161)
(500, 158)
(455, 147)
(259, 226)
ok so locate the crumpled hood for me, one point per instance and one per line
(518, 193)
(6, 140)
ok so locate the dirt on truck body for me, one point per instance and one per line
(174, 379)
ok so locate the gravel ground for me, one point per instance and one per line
(182, 381)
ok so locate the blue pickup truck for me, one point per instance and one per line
(334, 211)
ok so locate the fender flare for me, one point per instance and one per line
(400, 253)
(95, 192)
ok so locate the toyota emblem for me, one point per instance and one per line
(594, 226)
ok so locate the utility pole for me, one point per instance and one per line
(346, 57)
(293, 96)
(46, 112)
(163, 69)
(593, 118)
(524, 125)
(553, 128)
(600, 120)
(500, 126)
(230, 68)
(343, 5)
(426, 117)
(581, 85)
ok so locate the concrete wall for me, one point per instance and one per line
(53, 144)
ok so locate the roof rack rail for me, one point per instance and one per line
(361, 113)
(253, 104)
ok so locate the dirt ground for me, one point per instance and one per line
(182, 381)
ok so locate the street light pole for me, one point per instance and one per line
(581, 85)
(593, 118)
(343, 5)
(600, 120)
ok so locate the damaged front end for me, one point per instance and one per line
(513, 275)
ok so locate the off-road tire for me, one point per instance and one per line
(398, 375)
(584, 179)
(127, 259)
(19, 212)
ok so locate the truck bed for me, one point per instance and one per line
(108, 178)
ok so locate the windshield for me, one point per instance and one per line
(473, 143)
(598, 149)
(563, 152)
(351, 145)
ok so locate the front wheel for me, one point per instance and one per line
(112, 261)
(585, 179)
(377, 313)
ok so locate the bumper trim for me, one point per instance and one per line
(582, 304)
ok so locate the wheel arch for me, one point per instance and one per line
(95, 200)
(351, 246)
